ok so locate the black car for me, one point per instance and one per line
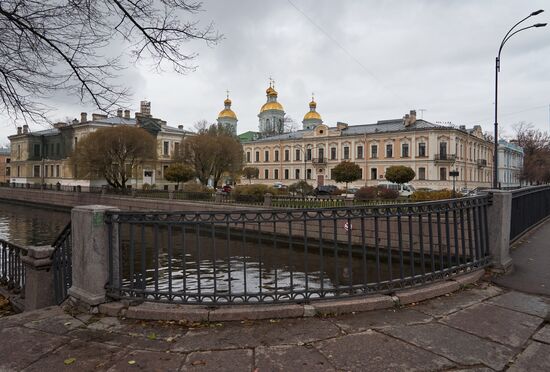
(325, 190)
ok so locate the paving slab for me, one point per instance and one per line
(543, 335)
(536, 357)
(59, 324)
(249, 334)
(161, 329)
(291, 358)
(22, 318)
(224, 360)
(360, 322)
(373, 351)
(496, 323)
(150, 361)
(134, 341)
(525, 303)
(21, 346)
(460, 347)
(85, 356)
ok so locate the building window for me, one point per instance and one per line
(308, 174)
(18, 171)
(374, 151)
(266, 174)
(308, 154)
(176, 148)
(405, 150)
(333, 153)
(51, 170)
(165, 148)
(286, 174)
(18, 153)
(36, 171)
(421, 149)
(266, 156)
(276, 155)
(36, 150)
(276, 174)
(297, 155)
(57, 172)
(321, 153)
(443, 149)
(8, 171)
(45, 171)
(257, 156)
(297, 174)
(287, 155)
(389, 151)
(346, 152)
(421, 173)
(443, 174)
(359, 152)
(248, 156)
(373, 173)
(57, 149)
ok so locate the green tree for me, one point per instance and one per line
(179, 173)
(399, 174)
(250, 172)
(346, 171)
(113, 153)
(213, 152)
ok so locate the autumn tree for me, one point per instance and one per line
(214, 151)
(536, 150)
(178, 172)
(113, 153)
(80, 47)
(250, 172)
(346, 171)
(399, 174)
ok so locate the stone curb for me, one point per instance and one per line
(198, 313)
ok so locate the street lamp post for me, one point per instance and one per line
(507, 37)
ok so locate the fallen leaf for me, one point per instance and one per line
(152, 336)
(67, 324)
(169, 339)
(198, 363)
(69, 361)
(131, 362)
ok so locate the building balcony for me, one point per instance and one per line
(445, 158)
(481, 163)
(319, 161)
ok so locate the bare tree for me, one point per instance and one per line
(52, 45)
(290, 125)
(536, 150)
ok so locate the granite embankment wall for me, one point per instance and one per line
(68, 200)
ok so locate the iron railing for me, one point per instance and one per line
(12, 270)
(62, 264)
(530, 206)
(445, 157)
(272, 256)
(329, 201)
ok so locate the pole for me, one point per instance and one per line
(495, 150)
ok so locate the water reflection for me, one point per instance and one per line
(26, 225)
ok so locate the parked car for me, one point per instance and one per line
(404, 189)
(280, 186)
(350, 192)
(325, 190)
(226, 189)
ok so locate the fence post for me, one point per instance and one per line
(170, 194)
(39, 286)
(499, 218)
(268, 200)
(90, 255)
(133, 192)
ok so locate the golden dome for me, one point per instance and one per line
(271, 92)
(227, 101)
(227, 113)
(271, 106)
(313, 104)
(312, 115)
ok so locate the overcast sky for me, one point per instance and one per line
(364, 60)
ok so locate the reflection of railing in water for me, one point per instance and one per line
(295, 255)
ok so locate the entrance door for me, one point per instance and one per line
(320, 180)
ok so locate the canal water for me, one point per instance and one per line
(26, 225)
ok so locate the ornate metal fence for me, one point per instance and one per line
(12, 270)
(62, 264)
(530, 206)
(293, 255)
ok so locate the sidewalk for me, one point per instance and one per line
(531, 263)
(481, 328)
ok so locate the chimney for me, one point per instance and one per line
(341, 126)
(96, 117)
(406, 120)
(19, 130)
(463, 127)
(119, 113)
(62, 124)
(145, 108)
(25, 129)
(83, 117)
(126, 114)
(412, 116)
(180, 127)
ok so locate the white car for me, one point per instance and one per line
(404, 189)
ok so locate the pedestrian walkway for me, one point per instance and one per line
(531, 263)
(481, 328)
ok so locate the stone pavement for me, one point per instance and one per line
(480, 328)
(531, 263)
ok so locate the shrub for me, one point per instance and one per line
(146, 187)
(388, 193)
(301, 187)
(252, 193)
(195, 187)
(366, 193)
(433, 195)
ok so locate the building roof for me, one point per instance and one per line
(5, 151)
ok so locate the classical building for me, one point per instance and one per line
(510, 164)
(44, 156)
(431, 150)
(5, 158)
(272, 114)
